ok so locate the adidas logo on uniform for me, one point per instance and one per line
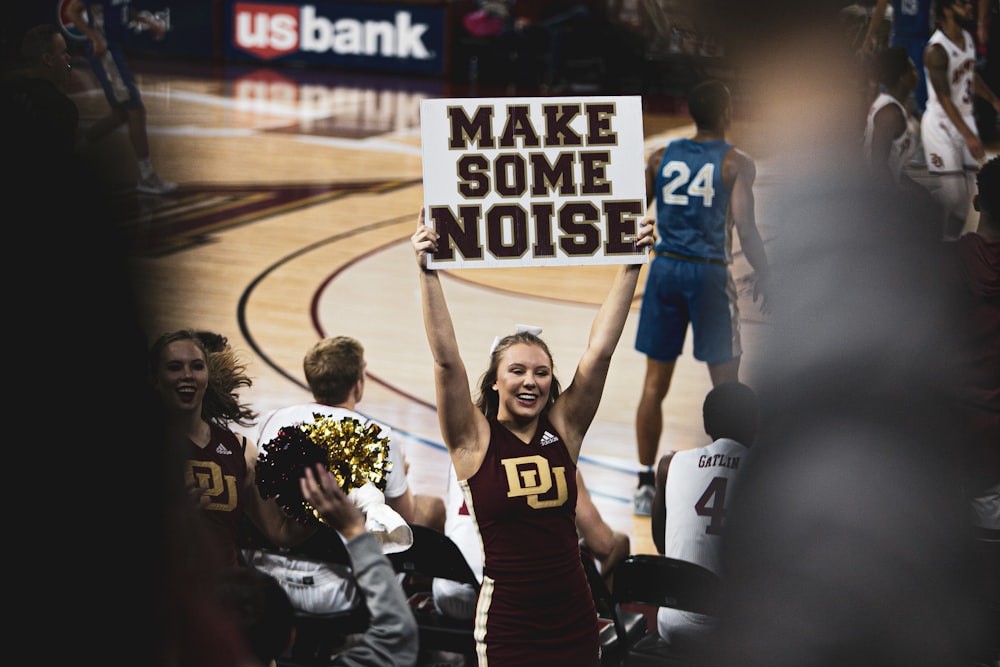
(221, 449)
(548, 439)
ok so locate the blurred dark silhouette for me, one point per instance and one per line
(116, 567)
(850, 541)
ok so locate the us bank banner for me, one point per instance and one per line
(533, 181)
(404, 36)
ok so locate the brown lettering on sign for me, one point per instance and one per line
(542, 213)
(577, 226)
(519, 125)
(579, 221)
(599, 125)
(547, 176)
(465, 130)
(514, 219)
(508, 175)
(621, 227)
(519, 132)
(535, 181)
(594, 167)
(473, 176)
(464, 235)
(557, 129)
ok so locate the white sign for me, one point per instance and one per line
(533, 181)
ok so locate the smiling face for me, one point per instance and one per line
(524, 378)
(182, 376)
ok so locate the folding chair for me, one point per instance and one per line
(619, 628)
(659, 581)
(317, 636)
(434, 555)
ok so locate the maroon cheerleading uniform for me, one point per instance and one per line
(221, 469)
(535, 605)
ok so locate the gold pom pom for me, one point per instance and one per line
(355, 452)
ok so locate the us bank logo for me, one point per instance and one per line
(382, 36)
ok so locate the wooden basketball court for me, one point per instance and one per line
(298, 194)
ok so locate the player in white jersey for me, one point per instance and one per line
(890, 130)
(692, 486)
(952, 146)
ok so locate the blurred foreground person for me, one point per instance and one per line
(849, 541)
(977, 269)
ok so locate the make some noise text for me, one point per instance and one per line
(590, 225)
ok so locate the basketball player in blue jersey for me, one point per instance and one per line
(105, 24)
(515, 451)
(703, 188)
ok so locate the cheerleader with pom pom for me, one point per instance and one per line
(197, 377)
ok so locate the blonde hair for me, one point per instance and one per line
(332, 367)
(488, 401)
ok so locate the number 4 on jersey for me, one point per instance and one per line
(713, 505)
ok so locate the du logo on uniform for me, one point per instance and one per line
(532, 476)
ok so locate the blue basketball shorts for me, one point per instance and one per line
(678, 293)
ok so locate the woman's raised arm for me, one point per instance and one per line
(574, 411)
(464, 429)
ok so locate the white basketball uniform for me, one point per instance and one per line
(903, 146)
(698, 483)
(944, 147)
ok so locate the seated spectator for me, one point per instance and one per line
(689, 506)
(264, 611)
(40, 119)
(391, 637)
(335, 371)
